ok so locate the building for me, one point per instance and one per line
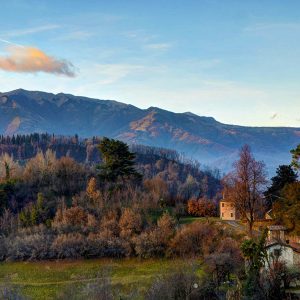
(279, 247)
(284, 252)
(269, 215)
(276, 233)
(227, 210)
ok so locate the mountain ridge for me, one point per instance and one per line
(199, 137)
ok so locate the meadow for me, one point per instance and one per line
(49, 279)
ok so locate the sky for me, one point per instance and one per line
(237, 61)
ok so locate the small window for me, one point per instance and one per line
(277, 252)
(231, 215)
(222, 204)
(222, 214)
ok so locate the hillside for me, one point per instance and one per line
(202, 138)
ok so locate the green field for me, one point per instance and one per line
(45, 280)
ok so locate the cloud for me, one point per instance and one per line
(76, 35)
(27, 31)
(274, 116)
(111, 73)
(33, 60)
(159, 46)
(10, 43)
(259, 27)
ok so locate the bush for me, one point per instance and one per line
(130, 223)
(181, 284)
(70, 245)
(29, 245)
(195, 239)
(154, 242)
(150, 244)
(3, 248)
(104, 246)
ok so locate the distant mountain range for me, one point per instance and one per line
(202, 138)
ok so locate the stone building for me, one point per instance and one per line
(280, 247)
(227, 210)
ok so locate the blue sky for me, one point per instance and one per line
(238, 61)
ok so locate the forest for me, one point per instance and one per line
(69, 198)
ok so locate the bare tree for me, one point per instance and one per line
(244, 186)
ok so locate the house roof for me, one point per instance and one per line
(273, 243)
(226, 200)
(276, 227)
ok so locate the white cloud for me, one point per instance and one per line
(79, 35)
(28, 31)
(259, 27)
(111, 73)
(159, 46)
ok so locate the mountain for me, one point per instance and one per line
(202, 138)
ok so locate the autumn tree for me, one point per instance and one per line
(130, 222)
(9, 168)
(93, 193)
(201, 207)
(244, 186)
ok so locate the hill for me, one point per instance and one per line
(202, 138)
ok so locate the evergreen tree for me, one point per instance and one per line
(118, 161)
(284, 175)
(296, 157)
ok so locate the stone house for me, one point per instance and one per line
(279, 247)
(227, 210)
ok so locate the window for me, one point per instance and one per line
(222, 214)
(276, 252)
(231, 215)
(222, 204)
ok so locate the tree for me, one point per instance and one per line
(130, 223)
(296, 157)
(201, 208)
(287, 208)
(93, 193)
(255, 254)
(244, 186)
(118, 161)
(8, 167)
(284, 175)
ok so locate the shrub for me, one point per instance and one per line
(154, 242)
(70, 245)
(195, 239)
(110, 223)
(3, 248)
(130, 223)
(181, 284)
(104, 246)
(33, 246)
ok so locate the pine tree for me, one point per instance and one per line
(118, 161)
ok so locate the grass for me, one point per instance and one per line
(189, 219)
(44, 280)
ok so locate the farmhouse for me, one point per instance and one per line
(279, 247)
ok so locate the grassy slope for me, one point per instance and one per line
(44, 280)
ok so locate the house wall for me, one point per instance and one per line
(287, 253)
(227, 211)
(296, 258)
